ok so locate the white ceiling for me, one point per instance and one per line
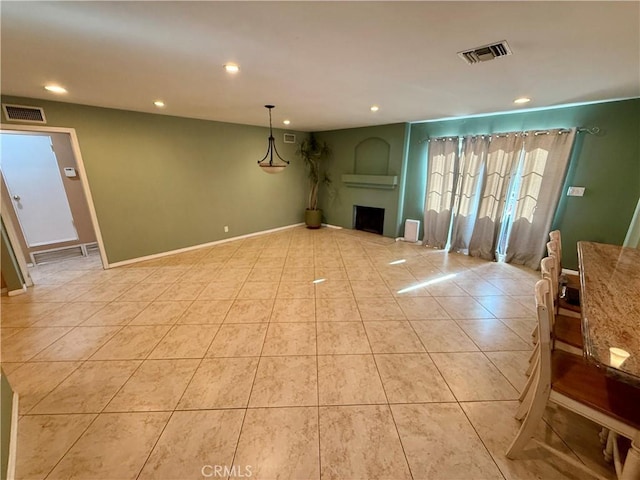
(323, 64)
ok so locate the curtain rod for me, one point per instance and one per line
(590, 131)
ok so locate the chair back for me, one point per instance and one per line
(544, 312)
(553, 250)
(548, 267)
(556, 236)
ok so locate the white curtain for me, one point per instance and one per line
(500, 166)
(469, 185)
(546, 156)
(441, 179)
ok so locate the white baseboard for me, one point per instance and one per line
(197, 247)
(331, 226)
(570, 272)
(13, 293)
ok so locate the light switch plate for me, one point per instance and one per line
(575, 192)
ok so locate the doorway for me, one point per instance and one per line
(46, 200)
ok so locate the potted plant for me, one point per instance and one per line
(314, 152)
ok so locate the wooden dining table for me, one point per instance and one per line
(610, 304)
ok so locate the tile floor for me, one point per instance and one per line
(299, 354)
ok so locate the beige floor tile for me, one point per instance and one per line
(497, 428)
(143, 292)
(183, 291)
(79, 344)
(440, 442)
(504, 307)
(331, 288)
(161, 313)
(363, 274)
(370, 289)
(33, 381)
(9, 367)
(472, 377)
(250, 311)
(26, 344)
(206, 312)
(296, 290)
(44, 439)
(285, 382)
(463, 307)
(349, 380)
(132, 342)
(410, 378)
(116, 313)
(514, 286)
(443, 336)
(156, 385)
(280, 443)
(290, 339)
(21, 315)
(105, 292)
(185, 341)
(478, 288)
(373, 449)
(265, 274)
(492, 335)
(238, 340)
(206, 437)
(220, 383)
(422, 308)
(342, 338)
(337, 310)
(298, 274)
(165, 275)
(200, 274)
(221, 290)
(326, 262)
(115, 446)
(447, 288)
(512, 365)
(330, 273)
(258, 290)
(88, 389)
(392, 337)
(70, 315)
(294, 310)
(522, 327)
(380, 309)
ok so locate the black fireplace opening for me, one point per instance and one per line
(368, 219)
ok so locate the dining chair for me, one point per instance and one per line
(569, 381)
(573, 280)
(562, 305)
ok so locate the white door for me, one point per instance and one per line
(34, 183)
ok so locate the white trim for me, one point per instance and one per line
(75, 147)
(20, 291)
(331, 226)
(13, 439)
(202, 245)
(568, 271)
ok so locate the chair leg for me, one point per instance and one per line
(631, 469)
(531, 421)
(608, 449)
(604, 436)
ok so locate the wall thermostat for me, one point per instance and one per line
(70, 172)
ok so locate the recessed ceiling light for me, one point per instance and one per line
(522, 100)
(286, 122)
(55, 89)
(231, 68)
(375, 108)
(159, 103)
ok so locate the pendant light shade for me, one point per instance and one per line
(267, 164)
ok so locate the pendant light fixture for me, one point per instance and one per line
(267, 164)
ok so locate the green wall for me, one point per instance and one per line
(337, 204)
(8, 263)
(161, 183)
(607, 164)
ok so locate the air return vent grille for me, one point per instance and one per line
(56, 254)
(23, 113)
(485, 53)
(289, 138)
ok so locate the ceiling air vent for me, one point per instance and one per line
(289, 138)
(485, 53)
(23, 113)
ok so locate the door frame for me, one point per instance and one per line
(75, 147)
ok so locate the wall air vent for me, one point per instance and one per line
(289, 138)
(24, 113)
(485, 53)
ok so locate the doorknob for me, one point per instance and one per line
(16, 198)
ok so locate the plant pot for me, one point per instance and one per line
(313, 218)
